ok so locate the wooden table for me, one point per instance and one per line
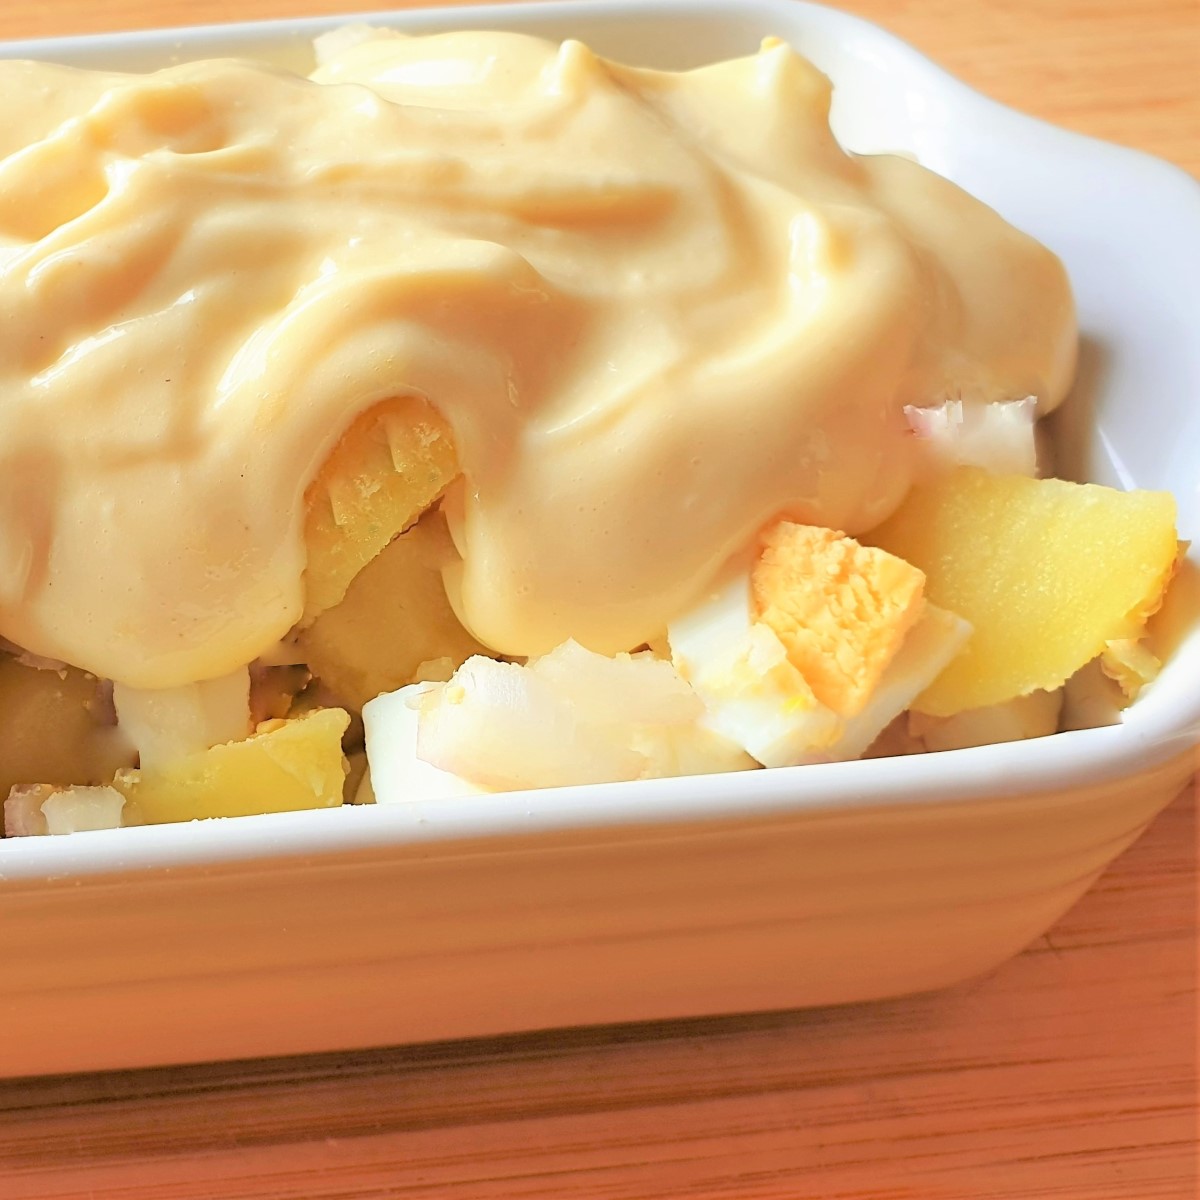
(1070, 1073)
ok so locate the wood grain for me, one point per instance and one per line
(1070, 1074)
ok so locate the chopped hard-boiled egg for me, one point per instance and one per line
(999, 436)
(853, 643)
(43, 808)
(871, 654)
(396, 773)
(571, 716)
(502, 726)
(840, 609)
(752, 693)
(925, 652)
(568, 717)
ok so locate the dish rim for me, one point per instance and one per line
(1151, 734)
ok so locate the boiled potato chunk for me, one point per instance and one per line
(50, 730)
(1046, 571)
(395, 616)
(391, 464)
(287, 765)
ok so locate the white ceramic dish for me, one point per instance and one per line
(781, 888)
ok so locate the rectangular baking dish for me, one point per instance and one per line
(803, 886)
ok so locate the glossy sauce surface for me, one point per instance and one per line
(657, 310)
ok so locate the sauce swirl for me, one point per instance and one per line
(657, 309)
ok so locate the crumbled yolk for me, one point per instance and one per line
(840, 609)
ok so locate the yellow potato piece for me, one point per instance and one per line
(48, 730)
(391, 464)
(287, 765)
(394, 618)
(1046, 571)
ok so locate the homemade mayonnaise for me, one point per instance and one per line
(656, 309)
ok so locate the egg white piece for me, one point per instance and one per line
(755, 697)
(999, 436)
(396, 773)
(926, 651)
(569, 717)
(41, 808)
(752, 694)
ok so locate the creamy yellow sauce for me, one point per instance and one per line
(657, 309)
